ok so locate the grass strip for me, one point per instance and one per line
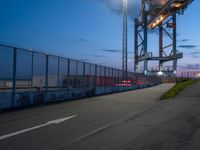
(180, 86)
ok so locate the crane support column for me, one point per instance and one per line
(145, 44)
(136, 46)
(174, 45)
(160, 47)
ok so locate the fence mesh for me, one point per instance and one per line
(31, 77)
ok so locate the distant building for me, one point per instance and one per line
(188, 73)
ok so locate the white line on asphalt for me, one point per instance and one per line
(57, 121)
(90, 133)
(107, 126)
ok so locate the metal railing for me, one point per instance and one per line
(31, 77)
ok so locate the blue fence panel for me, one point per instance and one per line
(80, 80)
(23, 96)
(6, 76)
(53, 80)
(63, 92)
(99, 87)
(73, 82)
(39, 78)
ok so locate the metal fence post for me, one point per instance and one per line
(104, 80)
(32, 71)
(118, 80)
(112, 84)
(109, 79)
(84, 77)
(76, 68)
(100, 78)
(68, 82)
(14, 76)
(31, 89)
(76, 80)
(58, 74)
(91, 82)
(95, 78)
(46, 80)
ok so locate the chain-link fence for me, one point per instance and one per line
(31, 77)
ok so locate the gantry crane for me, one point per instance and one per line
(160, 14)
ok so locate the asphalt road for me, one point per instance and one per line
(134, 120)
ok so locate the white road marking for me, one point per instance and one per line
(90, 133)
(57, 121)
(107, 126)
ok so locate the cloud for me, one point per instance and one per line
(192, 66)
(188, 46)
(195, 53)
(83, 40)
(195, 56)
(111, 50)
(185, 40)
(97, 56)
(116, 7)
(114, 51)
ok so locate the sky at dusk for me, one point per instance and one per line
(88, 30)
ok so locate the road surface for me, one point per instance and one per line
(134, 120)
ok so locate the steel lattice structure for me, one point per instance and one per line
(159, 14)
(125, 38)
